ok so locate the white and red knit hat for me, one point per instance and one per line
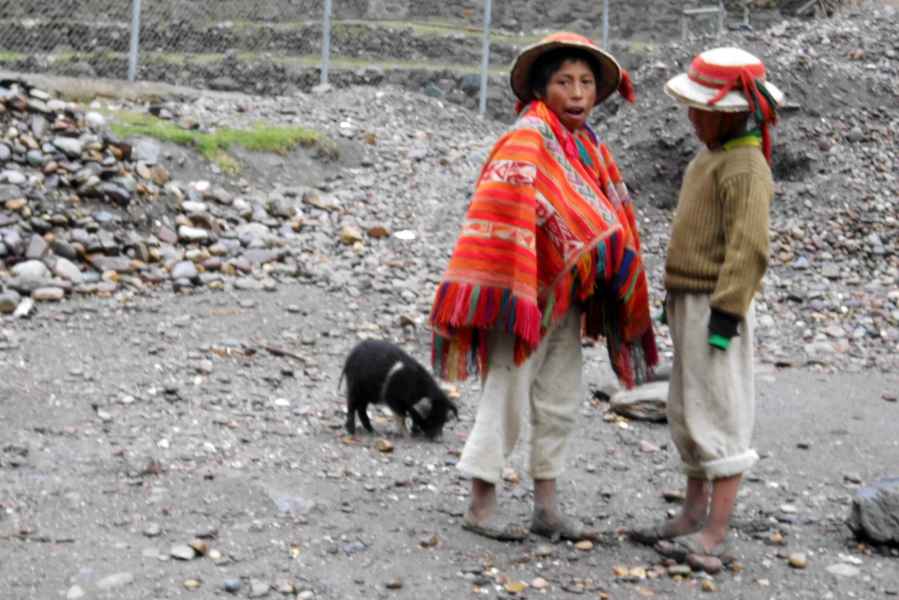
(729, 80)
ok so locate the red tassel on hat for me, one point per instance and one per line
(626, 87)
(766, 141)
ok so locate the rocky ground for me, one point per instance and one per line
(173, 338)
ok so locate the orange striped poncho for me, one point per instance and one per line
(550, 225)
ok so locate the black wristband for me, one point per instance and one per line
(723, 324)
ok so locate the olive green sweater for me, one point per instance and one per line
(719, 238)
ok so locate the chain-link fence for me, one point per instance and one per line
(92, 37)
(274, 46)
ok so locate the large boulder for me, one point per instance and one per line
(875, 512)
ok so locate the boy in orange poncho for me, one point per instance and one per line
(549, 251)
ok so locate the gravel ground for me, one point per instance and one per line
(132, 428)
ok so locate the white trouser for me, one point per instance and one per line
(711, 398)
(548, 384)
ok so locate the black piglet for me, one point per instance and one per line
(379, 372)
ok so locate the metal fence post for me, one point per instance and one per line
(326, 42)
(485, 55)
(722, 17)
(135, 40)
(605, 23)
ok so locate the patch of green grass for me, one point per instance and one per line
(196, 58)
(11, 56)
(442, 28)
(175, 59)
(430, 28)
(227, 163)
(214, 145)
(314, 60)
(166, 58)
(640, 47)
(99, 56)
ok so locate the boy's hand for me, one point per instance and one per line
(722, 327)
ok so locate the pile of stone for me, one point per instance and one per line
(82, 212)
(816, 8)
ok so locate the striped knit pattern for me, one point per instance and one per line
(550, 224)
(719, 238)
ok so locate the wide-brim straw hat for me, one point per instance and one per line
(609, 79)
(715, 69)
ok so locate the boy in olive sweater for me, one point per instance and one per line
(717, 256)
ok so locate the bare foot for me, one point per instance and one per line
(697, 552)
(482, 505)
(555, 526)
(492, 527)
(682, 524)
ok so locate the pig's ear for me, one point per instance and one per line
(423, 407)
